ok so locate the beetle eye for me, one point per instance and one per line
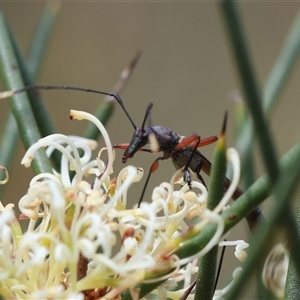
(145, 134)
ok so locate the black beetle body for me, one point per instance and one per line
(166, 138)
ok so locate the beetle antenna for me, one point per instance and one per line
(149, 107)
(8, 94)
(119, 100)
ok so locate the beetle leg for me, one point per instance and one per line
(187, 177)
(195, 141)
(153, 168)
(207, 141)
(125, 146)
(187, 141)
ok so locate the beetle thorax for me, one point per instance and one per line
(166, 138)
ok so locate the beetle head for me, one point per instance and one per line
(139, 140)
(140, 135)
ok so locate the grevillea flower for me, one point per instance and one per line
(83, 242)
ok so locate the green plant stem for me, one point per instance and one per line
(292, 290)
(218, 172)
(274, 85)
(41, 38)
(20, 106)
(276, 81)
(292, 231)
(8, 145)
(39, 43)
(283, 67)
(207, 264)
(205, 286)
(250, 87)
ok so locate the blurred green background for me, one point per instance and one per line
(186, 69)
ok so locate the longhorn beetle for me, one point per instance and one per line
(181, 150)
(173, 145)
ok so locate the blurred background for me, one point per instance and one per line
(186, 69)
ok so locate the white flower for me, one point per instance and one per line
(72, 247)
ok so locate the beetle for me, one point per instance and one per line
(171, 144)
(182, 150)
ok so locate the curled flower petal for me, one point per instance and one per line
(239, 253)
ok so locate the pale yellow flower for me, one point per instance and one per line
(82, 239)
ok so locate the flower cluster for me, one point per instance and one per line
(82, 242)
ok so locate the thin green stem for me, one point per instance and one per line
(207, 264)
(41, 38)
(292, 290)
(205, 286)
(20, 106)
(42, 117)
(10, 135)
(250, 87)
(8, 145)
(292, 235)
(271, 93)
